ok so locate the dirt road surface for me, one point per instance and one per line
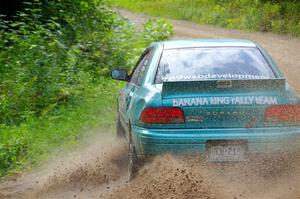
(98, 169)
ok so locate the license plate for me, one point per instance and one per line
(226, 151)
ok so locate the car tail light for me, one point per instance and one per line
(283, 113)
(162, 115)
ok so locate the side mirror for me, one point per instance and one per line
(119, 74)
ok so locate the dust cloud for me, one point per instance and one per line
(99, 170)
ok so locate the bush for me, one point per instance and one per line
(56, 49)
(157, 30)
(12, 152)
(48, 60)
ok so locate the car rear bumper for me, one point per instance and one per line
(186, 141)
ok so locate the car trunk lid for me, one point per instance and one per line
(224, 103)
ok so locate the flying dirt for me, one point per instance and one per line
(99, 168)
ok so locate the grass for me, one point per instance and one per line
(282, 17)
(25, 146)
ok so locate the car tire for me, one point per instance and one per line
(120, 128)
(133, 162)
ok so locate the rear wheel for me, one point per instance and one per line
(133, 162)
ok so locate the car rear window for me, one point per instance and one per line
(192, 64)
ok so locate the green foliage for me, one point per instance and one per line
(58, 48)
(48, 60)
(157, 30)
(12, 151)
(282, 17)
(54, 60)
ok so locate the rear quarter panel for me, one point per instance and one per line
(147, 94)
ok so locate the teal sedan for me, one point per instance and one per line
(224, 99)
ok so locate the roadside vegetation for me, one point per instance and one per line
(281, 17)
(55, 62)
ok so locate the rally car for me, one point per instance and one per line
(222, 98)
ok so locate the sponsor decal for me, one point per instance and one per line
(241, 100)
(212, 76)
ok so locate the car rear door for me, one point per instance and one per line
(137, 77)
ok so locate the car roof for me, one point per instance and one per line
(194, 43)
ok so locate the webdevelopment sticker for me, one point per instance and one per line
(213, 76)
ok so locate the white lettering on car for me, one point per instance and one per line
(212, 76)
(266, 100)
(219, 100)
(239, 100)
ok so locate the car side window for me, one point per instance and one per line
(144, 67)
(140, 71)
